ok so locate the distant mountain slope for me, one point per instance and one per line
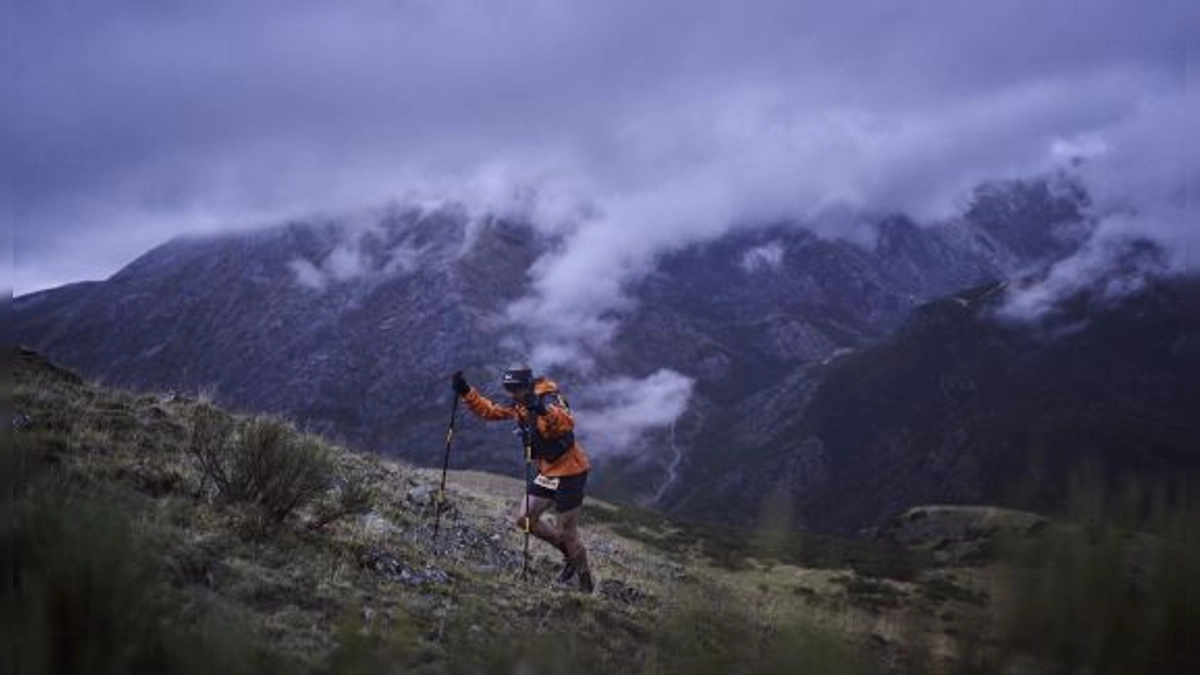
(351, 328)
(382, 315)
(960, 407)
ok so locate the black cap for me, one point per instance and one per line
(518, 376)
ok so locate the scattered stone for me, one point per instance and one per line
(392, 568)
(622, 592)
(376, 525)
(421, 495)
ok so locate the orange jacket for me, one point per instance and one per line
(556, 422)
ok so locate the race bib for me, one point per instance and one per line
(548, 483)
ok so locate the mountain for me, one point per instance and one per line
(352, 327)
(963, 405)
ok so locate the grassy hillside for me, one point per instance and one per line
(128, 556)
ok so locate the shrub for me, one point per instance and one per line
(264, 461)
(284, 471)
(209, 446)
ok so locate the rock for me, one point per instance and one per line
(389, 566)
(425, 495)
(376, 525)
(622, 592)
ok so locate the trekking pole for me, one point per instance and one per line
(527, 524)
(441, 495)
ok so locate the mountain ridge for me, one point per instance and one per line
(352, 328)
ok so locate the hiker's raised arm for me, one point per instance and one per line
(478, 403)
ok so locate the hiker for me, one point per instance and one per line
(544, 419)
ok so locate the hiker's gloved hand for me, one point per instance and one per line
(461, 388)
(534, 402)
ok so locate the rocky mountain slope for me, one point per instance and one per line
(352, 328)
(964, 406)
(126, 557)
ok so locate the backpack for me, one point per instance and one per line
(550, 450)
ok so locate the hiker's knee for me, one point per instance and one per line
(520, 518)
(532, 511)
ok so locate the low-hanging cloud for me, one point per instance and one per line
(623, 129)
(627, 408)
(1108, 268)
(766, 258)
(1144, 188)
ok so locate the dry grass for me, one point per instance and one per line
(352, 580)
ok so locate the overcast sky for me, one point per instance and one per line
(637, 126)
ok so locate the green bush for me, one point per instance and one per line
(284, 471)
(262, 461)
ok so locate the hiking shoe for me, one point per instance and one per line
(568, 571)
(585, 582)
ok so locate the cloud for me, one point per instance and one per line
(1142, 179)
(763, 258)
(1108, 268)
(627, 408)
(627, 130)
(766, 158)
(623, 129)
(308, 275)
(1143, 174)
(356, 252)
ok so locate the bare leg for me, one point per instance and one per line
(572, 546)
(539, 528)
(568, 532)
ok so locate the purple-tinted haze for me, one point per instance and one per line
(633, 127)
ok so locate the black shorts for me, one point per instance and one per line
(566, 491)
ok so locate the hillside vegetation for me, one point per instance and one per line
(158, 533)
